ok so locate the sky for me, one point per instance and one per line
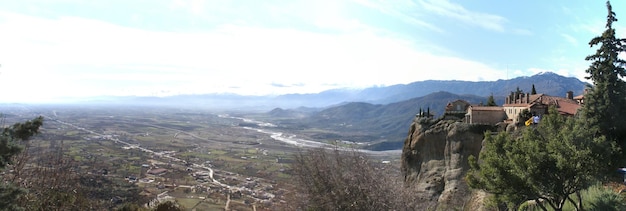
(52, 50)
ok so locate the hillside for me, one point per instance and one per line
(385, 124)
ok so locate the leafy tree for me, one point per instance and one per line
(547, 163)
(131, 207)
(491, 101)
(8, 149)
(533, 91)
(523, 116)
(168, 206)
(605, 102)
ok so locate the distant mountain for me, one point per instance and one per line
(547, 83)
(298, 113)
(384, 123)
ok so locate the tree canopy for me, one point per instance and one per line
(491, 101)
(347, 180)
(9, 148)
(17, 132)
(548, 162)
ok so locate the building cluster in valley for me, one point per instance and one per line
(514, 104)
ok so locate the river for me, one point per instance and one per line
(292, 139)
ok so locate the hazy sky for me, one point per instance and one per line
(76, 48)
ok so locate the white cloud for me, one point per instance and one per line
(413, 11)
(570, 39)
(594, 28)
(525, 32)
(72, 56)
(458, 12)
(195, 7)
(403, 10)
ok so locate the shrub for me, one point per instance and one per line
(595, 198)
(346, 180)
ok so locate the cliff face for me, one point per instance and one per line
(434, 162)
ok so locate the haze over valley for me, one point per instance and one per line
(311, 105)
(373, 115)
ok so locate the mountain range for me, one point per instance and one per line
(385, 125)
(548, 83)
(378, 115)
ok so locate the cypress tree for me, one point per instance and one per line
(491, 101)
(533, 91)
(605, 103)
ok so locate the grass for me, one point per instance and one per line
(218, 152)
(207, 206)
(188, 203)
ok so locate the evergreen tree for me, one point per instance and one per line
(9, 148)
(605, 102)
(533, 91)
(518, 91)
(11, 135)
(491, 101)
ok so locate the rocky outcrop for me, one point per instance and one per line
(434, 161)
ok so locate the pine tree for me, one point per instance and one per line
(9, 148)
(491, 101)
(605, 103)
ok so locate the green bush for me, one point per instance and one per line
(595, 198)
(605, 199)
